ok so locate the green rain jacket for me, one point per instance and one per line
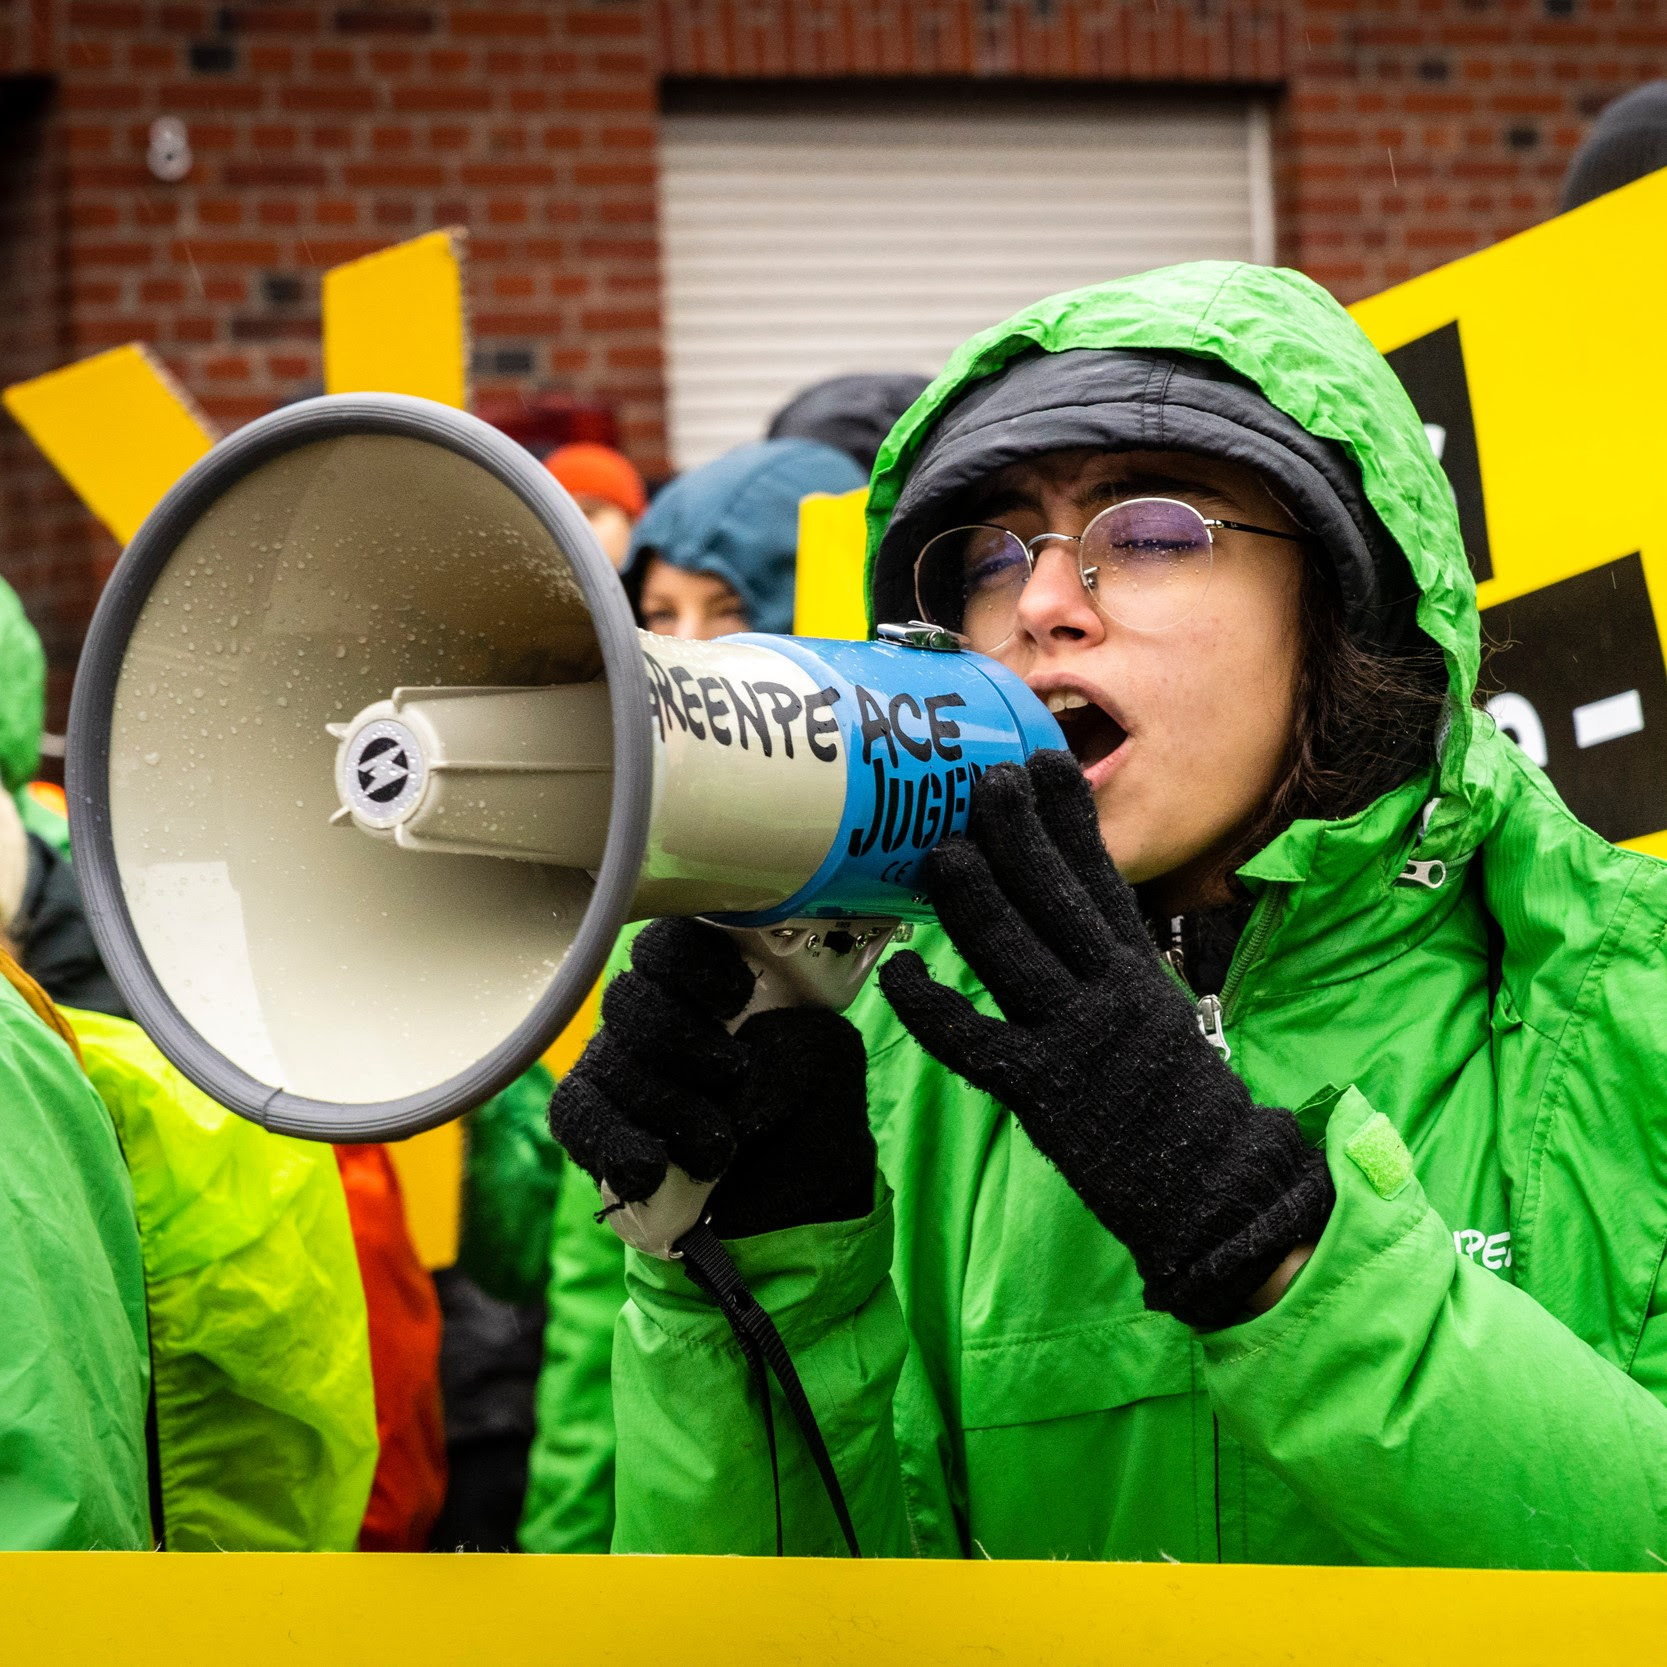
(73, 1370)
(1471, 1367)
(265, 1415)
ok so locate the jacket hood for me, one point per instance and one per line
(1288, 338)
(737, 518)
(1627, 141)
(853, 414)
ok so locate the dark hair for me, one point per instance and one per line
(1367, 720)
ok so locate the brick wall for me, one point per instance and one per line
(1407, 132)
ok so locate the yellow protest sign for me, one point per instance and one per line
(395, 323)
(828, 598)
(117, 427)
(1537, 366)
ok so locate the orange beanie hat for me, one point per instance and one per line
(600, 472)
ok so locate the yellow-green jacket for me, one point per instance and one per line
(265, 1422)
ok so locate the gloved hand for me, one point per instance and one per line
(1100, 1056)
(779, 1109)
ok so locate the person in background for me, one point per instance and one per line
(607, 488)
(1627, 141)
(853, 414)
(715, 554)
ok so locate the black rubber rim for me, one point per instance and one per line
(87, 762)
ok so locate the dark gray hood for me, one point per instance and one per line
(1123, 400)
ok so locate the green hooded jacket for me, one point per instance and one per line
(265, 1415)
(72, 1307)
(1471, 1367)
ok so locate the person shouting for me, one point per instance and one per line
(1261, 1158)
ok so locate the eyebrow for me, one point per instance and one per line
(1101, 492)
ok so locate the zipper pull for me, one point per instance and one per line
(1210, 1025)
(1431, 874)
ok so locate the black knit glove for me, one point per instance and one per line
(779, 1109)
(1100, 1057)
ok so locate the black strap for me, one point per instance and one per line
(710, 1267)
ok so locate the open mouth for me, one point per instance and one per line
(1091, 733)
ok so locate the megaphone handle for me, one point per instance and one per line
(806, 963)
(810, 963)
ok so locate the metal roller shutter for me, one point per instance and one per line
(798, 246)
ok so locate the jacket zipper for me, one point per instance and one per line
(1250, 947)
(1213, 1010)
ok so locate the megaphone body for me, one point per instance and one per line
(368, 764)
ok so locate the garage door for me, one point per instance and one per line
(799, 245)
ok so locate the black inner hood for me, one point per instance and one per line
(1117, 399)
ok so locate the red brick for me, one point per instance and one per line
(96, 334)
(519, 324)
(607, 319)
(96, 96)
(352, 99)
(89, 14)
(227, 251)
(477, 25)
(210, 95)
(275, 175)
(442, 98)
(610, 100)
(276, 20)
(112, 254)
(416, 176)
(506, 173)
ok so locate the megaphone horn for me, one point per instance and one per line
(368, 764)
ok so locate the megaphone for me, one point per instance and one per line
(368, 764)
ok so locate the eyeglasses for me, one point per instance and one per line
(1146, 562)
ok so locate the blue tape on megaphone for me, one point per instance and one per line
(915, 730)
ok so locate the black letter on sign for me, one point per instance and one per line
(944, 730)
(784, 708)
(874, 727)
(715, 709)
(666, 696)
(745, 714)
(816, 727)
(916, 746)
(680, 676)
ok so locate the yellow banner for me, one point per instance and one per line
(432, 1611)
(1538, 366)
